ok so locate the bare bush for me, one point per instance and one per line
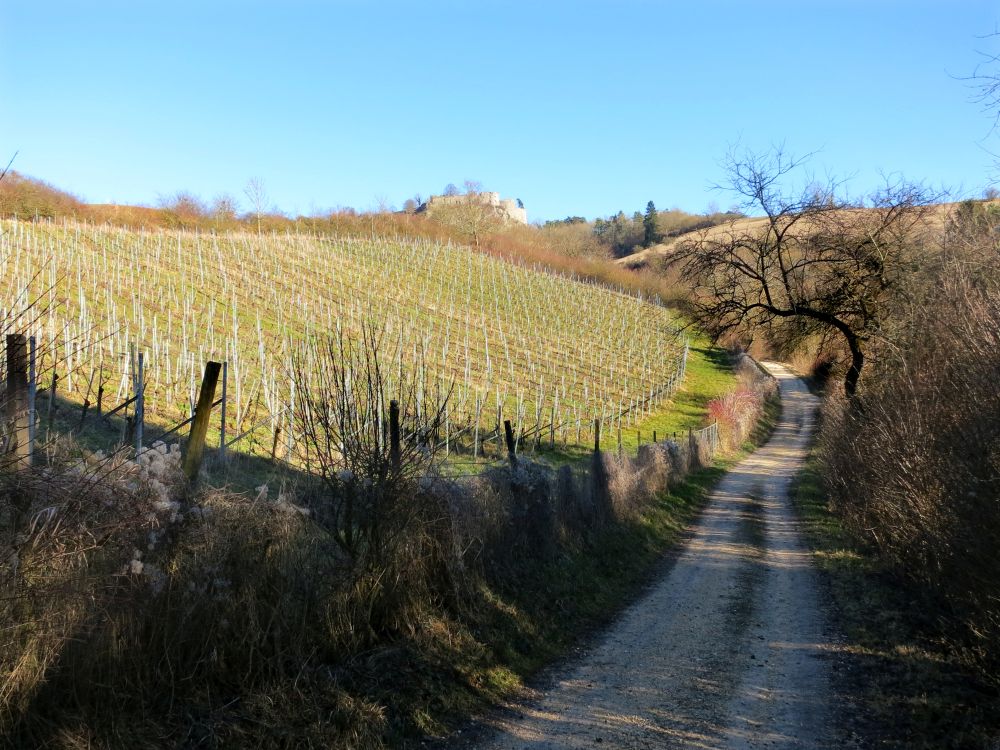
(738, 411)
(87, 522)
(914, 468)
(379, 501)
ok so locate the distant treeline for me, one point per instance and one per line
(620, 235)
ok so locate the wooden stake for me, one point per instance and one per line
(509, 435)
(49, 409)
(140, 407)
(394, 447)
(83, 414)
(199, 425)
(475, 433)
(32, 392)
(17, 400)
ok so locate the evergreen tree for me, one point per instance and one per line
(651, 234)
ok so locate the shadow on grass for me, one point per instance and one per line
(240, 472)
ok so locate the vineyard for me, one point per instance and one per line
(506, 341)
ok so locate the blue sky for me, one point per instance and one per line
(575, 107)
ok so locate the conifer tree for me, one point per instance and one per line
(651, 234)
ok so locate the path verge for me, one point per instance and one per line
(728, 649)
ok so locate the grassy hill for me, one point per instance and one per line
(651, 256)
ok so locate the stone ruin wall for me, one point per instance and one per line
(506, 206)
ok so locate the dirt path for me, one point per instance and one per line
(728, 650)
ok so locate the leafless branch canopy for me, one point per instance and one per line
(812, 260)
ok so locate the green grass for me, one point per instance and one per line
(709, 374)
(910, 688)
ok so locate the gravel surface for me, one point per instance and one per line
(728, 650)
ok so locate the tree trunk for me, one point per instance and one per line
(854, 371)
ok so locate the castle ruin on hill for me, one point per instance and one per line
(509, 208)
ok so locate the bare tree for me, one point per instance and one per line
(224, 208)
(257, 195)
(813, 263)
(985, 80)
(5, 170)
(474, 215)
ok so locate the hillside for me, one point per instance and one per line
(936, 217)
(539, 347)
(649, 255)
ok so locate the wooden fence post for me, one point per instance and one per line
(597, 436)
(509, 435)
(394, 446)
(499, 425)
(199, 425)
(83, 414)
(654, 437)
(17, 400)
(475, 432)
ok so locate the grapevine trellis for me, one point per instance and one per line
(546, 351)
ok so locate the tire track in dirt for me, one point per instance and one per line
(728, 650)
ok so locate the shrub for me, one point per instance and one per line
(913, 466)
(738, 410)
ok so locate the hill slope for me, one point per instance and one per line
(936, 217)
(538, 346)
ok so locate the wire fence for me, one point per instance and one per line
(467, 451)
(123, 425)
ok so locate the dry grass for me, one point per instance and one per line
(250, 627)
(655, 255)
(139, 619)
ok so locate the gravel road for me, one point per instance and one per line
(728, 650)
